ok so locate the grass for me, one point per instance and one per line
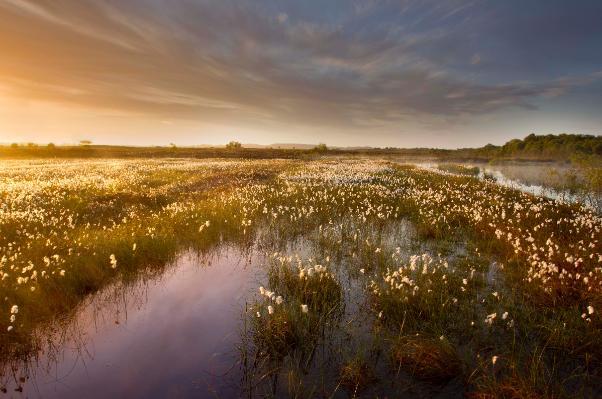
(61, 236)
(300, 304)
(356, 375)
(460, 169)
(432, 275)
(433, 360)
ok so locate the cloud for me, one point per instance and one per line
(228, 61)
(282, 17)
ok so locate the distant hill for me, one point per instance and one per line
(281, 146)
(293, 146)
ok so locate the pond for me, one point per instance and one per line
(180, 333)
(172, 336)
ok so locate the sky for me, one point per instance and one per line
(413, 73)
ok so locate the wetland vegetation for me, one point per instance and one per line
(365, 277)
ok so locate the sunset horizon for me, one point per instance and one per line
(360, 73)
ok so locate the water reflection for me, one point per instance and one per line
(174, 336)
(547, 179)
(533, 178)
(312, 365)
(177, 333)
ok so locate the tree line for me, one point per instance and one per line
(562, 147)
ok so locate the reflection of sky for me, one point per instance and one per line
(412, 73)
(179, 342)
(533, 178)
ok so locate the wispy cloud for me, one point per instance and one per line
(369, 64)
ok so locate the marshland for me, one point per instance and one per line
(324, 277)
(300, 199)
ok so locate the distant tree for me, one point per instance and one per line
(321, 148)
(14, 145)
(173, 145)
(51, 146)
(85, 143)
(32, 145)
(550, 146)
(233, 145)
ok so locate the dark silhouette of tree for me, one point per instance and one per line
(561, 146)
(233, 145)
(321, 148)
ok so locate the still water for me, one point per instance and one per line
(177, 334)
(545, 179)
(173, 336)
